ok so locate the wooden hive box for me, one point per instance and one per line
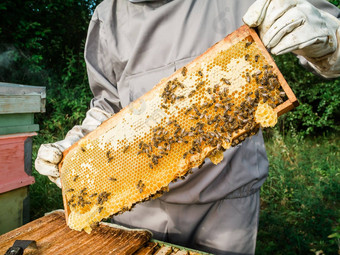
(18, 103)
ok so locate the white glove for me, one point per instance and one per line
(49, 155)
(297, 26)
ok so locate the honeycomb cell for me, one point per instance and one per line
(211, 104)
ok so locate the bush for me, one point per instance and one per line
(319, 109)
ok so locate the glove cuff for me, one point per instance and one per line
(94, 117)
(328, 66)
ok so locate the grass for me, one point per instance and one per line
(299, 201)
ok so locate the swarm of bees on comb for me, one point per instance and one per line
(215, 102)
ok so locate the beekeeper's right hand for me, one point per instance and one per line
(49, 155)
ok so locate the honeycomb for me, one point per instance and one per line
(215, 102)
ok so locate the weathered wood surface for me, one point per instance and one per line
(53, 236)
(19, 104)
(17, 123)
(23, 96)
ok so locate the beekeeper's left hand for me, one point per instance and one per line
(297, 26)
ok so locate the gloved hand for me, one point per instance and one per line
(299, 27)
(49, 155)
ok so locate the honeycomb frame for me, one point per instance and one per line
(244, 36)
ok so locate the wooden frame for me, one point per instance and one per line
(231, 39)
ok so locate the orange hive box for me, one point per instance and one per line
(214, 102)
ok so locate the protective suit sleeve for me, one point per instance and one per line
(49, 155)
(100, 65)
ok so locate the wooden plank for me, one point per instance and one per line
(54, 237)
(19, 104)
(181, 253)
(11, 89)
(165, 250)
(292, 102)
(11, 204)
(19, 129)
(19, 119)
(148, 249)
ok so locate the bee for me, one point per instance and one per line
(191, 93)
(247, 44)
(282, 94)
(109, 159)
(248, 77)
(82, 191)
(219, 146)
(108, 154)
(164, 106)
(196, 110)
(204, 105)
(82, 149)
(200, 73)
(184, 71)
(213, 98)
(112, 179)
(126, 148)
(272, 106)
(258, 72)
(181, 85)
(100, 209)
(93, 195)
(150, 165)
(215, 88)
(246, 57)
(200, 166)
(75, 178)
(226, 81)
(180, 97)
(200, 85)
(257, 57)
(70, 190)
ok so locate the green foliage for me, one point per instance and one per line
(335, 2)
(42, 43)
(319, 99)
(299, 201)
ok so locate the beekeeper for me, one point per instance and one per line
(132, 45)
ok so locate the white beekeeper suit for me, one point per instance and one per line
(132, 45)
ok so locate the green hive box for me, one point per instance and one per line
(18, 103)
